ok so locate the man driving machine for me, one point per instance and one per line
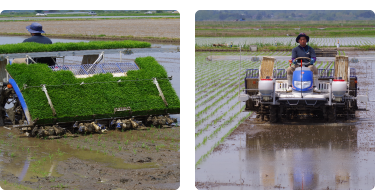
(303, 50)
(36, 31)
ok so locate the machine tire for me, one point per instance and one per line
(273, 114)
(331, 114)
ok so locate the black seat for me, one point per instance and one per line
(50, 61)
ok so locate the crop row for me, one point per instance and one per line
(215, 74)
(217, 119)
(215, 95)
(221, 140)
(197, 123)
(219, 99)
(219, 128)
(214, 85)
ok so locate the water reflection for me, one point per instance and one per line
(300, 157)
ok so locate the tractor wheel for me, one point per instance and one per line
(273, 114)
(331, 114)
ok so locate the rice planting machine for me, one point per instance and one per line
(15, 112)
(266, 92)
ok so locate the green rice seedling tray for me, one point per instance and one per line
(96, 97)
(71, 46)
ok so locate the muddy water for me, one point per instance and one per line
(299, 155)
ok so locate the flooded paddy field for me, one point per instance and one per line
(320, 41)
(132, 159)
(252, 154)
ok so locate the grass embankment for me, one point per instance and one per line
(282, 28)
(98, 96)
(71, 46)
(100, 37)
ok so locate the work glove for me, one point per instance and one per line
(295, 61)
(312, 61)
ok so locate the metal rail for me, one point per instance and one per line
(89, 52)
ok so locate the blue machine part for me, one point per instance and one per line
(101, 126)
(307, 80)
(113, 122)
(22, 100)
(119, 125)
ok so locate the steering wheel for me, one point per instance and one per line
(303, 58)
(298, 58)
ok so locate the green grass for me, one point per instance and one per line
(80, 102)
(37, 47)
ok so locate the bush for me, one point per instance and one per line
(81, 102)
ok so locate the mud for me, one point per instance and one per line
(299, 154)
(133, 159)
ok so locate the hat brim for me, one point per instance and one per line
(298, 37)
(33, 31)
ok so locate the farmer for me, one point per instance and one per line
(36, 31)
(303, 50)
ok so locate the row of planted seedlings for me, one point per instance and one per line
(232, 83)
(200, 121)
(212, 122)
(207, 75)
(232, 97)
(211, 83)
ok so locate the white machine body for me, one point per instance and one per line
(339, 87)
(265, 86)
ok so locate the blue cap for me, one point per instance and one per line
(35, 28)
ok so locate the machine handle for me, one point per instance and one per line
(303, 58)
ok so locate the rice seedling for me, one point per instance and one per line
(71, 46)
(50, 157)
(221, 140)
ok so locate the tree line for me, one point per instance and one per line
(284, 15)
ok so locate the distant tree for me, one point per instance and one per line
(38, 11)
(258, 17)
(99, 11)
(367, 14)
(268, 15)
(293, 15)
(54, 11)
(159, 11)
(222, 16)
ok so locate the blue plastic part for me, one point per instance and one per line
(118, 125)
(21, 99)
(306, 76)
(112, 122)
(100, 126)
(81, 128)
